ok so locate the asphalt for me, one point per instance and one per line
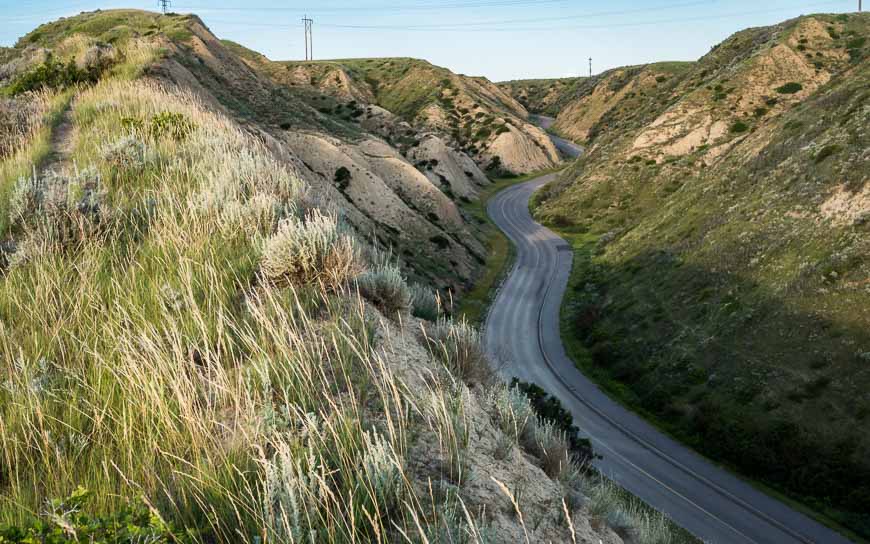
(522, 337)
(568, 148)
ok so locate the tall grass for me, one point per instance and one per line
(210, 355)
(154, 362)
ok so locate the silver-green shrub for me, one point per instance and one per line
(60, 209)
(126, 153)
(386, 289)
(316, 249)
(424, 302)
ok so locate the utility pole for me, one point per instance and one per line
(590, 66)
(309, 38)
(859, 6)
(164, 4)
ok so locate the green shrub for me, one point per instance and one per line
(790, 88)
(424, 303)
(386, 289)
(738, 127)
(482, 134)
(167, 123)
(342, 178)
(66, 521)
(856, 43)
(826, 152)
(51, 74)
(760, 112)
(171, 124)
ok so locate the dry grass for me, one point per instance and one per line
(145, 364)
(458, 345)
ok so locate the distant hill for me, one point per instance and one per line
(723, 210)
(471, 113)
(545, 96)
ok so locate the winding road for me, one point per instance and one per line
(522, 337)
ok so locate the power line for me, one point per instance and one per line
(164, 4)
(458, 27)
(561, 17)
(391, 8)
(549, 28)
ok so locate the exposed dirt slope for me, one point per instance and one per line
(470, 113)
(730, 285)
(357, 158)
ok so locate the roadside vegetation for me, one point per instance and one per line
(719, 286)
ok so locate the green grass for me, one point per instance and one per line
(587, 268)
(34, 155)
(110, 26)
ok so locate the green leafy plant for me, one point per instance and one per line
(826, 152)
(171, 124)
(66, 521)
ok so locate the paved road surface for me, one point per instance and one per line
(522, 335)
(566, 147)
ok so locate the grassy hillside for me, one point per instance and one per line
(720, 220)
(545, 96)
(199, 344)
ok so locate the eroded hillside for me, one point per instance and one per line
(545, 96)
(721, 218)
(402, 199)
(203, 339)
(470, 113)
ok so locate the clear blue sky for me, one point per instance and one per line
(499, 39)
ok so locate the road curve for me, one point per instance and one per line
(566, 147)
(522, 337)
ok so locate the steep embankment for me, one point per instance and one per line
(722, 212)
(470, 113)
(201, 342)
(382, 173)
(355, 163)
(545, 96)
